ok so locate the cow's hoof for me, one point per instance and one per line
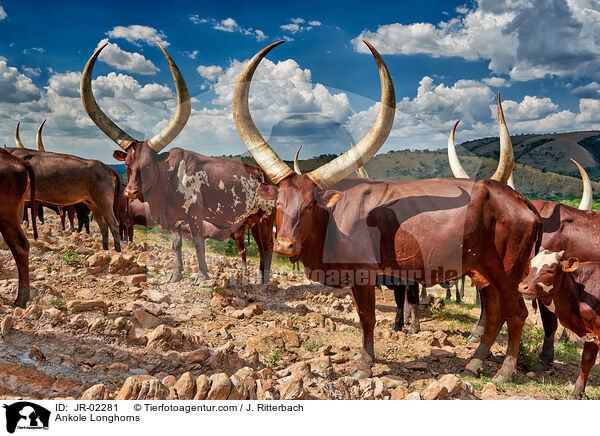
(201, 279)
(358, 356)
(500, 377)
(473, 367)
(175, 277)
(396, 327)
(476, 335)
(362, 374)
(22, 303)
(577, 394)
(466, 373)
(542, 367)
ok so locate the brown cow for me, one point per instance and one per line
(348, 237)
(565, 228)
(65, 180)
(571, 291)
(404, 291)
(183, 186)
(18, 179)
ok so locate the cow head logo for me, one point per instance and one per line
(25, 414)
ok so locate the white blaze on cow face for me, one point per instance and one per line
(542, 274)
(190, 186)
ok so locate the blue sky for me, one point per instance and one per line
(447, 59)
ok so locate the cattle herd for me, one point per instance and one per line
(347, 231)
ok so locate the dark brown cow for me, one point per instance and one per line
(574, 230)
(18, 180)
(404, 291)
(349, 237)
(65, 180)
(571, 291)
(180, 185)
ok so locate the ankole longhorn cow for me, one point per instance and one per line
(18, 178)
(574, 230)
(182, 186)
(386, 228)
(64, 180)
(402, 289)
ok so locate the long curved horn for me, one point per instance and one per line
(586, 197)
(361, 171)
(104, 123)
(264, 155)
(184, 108)
(507, 158)
(455, 165)
(17, 139)
(296, 165)
(38, 137)
(350, 161)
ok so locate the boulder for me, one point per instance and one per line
(185, 387)
(202, 387)
(292, 389)
(96, 392)
(220, 387)
(77, 306)
(143, 387)
(435, 391)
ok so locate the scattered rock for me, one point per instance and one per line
(202, 387)
(185, 387)
(220, 387)
(142, 387)
(96, 392)
(417, 365)
(435, 391)
(452, 383)
(6, 325)
(146, 319)
(292, 389)
(77, 306)
(413, 396)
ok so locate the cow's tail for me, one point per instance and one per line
(32, 203)
(117, 195)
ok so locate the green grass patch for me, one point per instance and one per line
(58, 303)
(72, 258)
(274, 358)
(312, 345)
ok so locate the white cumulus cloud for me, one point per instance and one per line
(114, 56)
(136, 32)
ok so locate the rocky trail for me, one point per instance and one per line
(107, 325)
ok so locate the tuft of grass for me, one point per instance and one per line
(312, 345)
(274, 358)
(350, 329)
(531, 340)
(58, 303)
(72, 258)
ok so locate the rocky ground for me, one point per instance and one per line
(102, 324)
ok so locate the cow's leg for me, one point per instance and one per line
(588, 358)
(19, 247)
(477, 332)
(399, 294)
(458, 291)
(364, 301)
(113, 225)
(515, 313)
(550, 323)
(40, 213)
(491, 304)
(177, 273)
(71, 214)
(130, 231)
(238, 237)
(61, 213)
(263, 235)
(448, 291)
(198, 240)
(412, 296)
(423, 291)
(103, 228)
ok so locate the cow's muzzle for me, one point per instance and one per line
(287, 247)
(133, 193)
(528, 291)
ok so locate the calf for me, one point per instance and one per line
(571, 290)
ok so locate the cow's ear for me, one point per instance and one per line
(119, 155)
(569, 265)
(162, 157)
(267, 192)
(329, 198)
